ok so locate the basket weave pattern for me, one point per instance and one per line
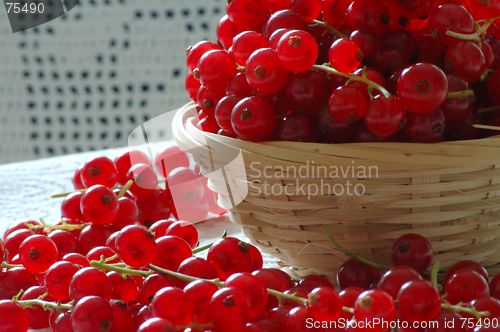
(448, 192)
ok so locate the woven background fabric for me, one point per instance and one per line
(83, 81)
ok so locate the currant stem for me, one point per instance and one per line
(459, 308)
(351, 254)
(434, 275)
(459, 94)
(353, 77)
(331, 30)
(6, 265)
(476, 36)
(489, 109)
(125, 188)
(122, 270)
(480, 126)
(64, 226)
(68, 193)
(46, 305)
(207, 246)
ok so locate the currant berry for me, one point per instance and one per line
(309, 10)
(419, 301)
(136, 246)
(450, 17)
(384, 116)
(192, 85)
(367, 41)
(469, 265)
(372, 15)
(151, 286)
(65, 242)
(99, 170)
(372, 75)
(14, 317)
(70, 207)
(455, 109)
(77, 259)
(253, 288)
(465, 60)
(226, 31)
(99, 205)
(18, 225)
(144, 180)
(15, 279)
(208, 99)
(313, 281)
(297, 127)
(333, 131)
(128, 159)
(172, 251)
(77, 179)
(265, 72)
(92, 236)
(238, 86)
(247, 14)
(172, 304)
(375, 304)
(354, 273)
(90, 281)
(96, 253)
(128, 213)
(347, 104)
(157, 325)
(392, 281)
(464, 129)
(216, 69)
(230, 255)
(412, 250)
(154, 207)
(223, 112)
(160, 227)
(425, 128)
(334, 10)
(253, 119)
(39, 318)
(422, 88)
(244, 44)
(284, 19)
(345, 55)
(92, 313)
(57, 279)
(476, 288)
(324, 304)
(195, 267)
(307, 91)
(123, 320)
(349, 297)
(229, 309)
(194, 54)
(186, 231)
(37, 253)
(297, 50)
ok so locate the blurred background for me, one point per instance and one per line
(85, 80)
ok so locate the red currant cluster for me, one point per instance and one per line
(338, 71)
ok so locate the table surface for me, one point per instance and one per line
(26, 187)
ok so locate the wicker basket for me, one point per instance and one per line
(448, 192)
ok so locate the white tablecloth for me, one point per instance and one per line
(26, 187)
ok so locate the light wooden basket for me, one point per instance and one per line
(448, 192)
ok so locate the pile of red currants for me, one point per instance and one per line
(334, 71)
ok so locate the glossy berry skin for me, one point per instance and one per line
(284, 19)
(90, 281)
(172, 303)
(238, 86)
(422, 88)
(372, 15)
(469, 265)
(144, 180)
(425, 128)
(215, 69)
(252, 287)
(14, 280)
(200, 293)
(392, 280)
(195, 267)
(384, 116)
(136, 246)
(419, 301)
(99, 170)
(333, 131)
(264, 71)
(347, 104)
(247, 14)
(186, 231)
(18, 225)
(229, 309)
(39, 318)
(253, 119)
(374, 304)
(195, 52)
(324, 304)
(172, 251)
(123, 319)
(207, 100)
(451, 17)
(455, 109)
(309, 10)
(230, 255)
(349, 297)
(244, 44)
(354, 273)
(297, 127)
(124, 288)
(345, 55)
(307, 91)
(297, 50)
(154, 207)
(14, 317)
(37, 253)
(157, 325)
(476, 288)
(464, 129)
(92, 313)
(127, 159)
(273, 279)
(99, 205)
(160, 227)
(223, 112)
(128, 213)
(58, 278)
(186, 189)
(151, 286)
(65, 242)
(313, 281)
(77, 179)
(70, 207)
(465, 60)
(412, 250)
(92, 236)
